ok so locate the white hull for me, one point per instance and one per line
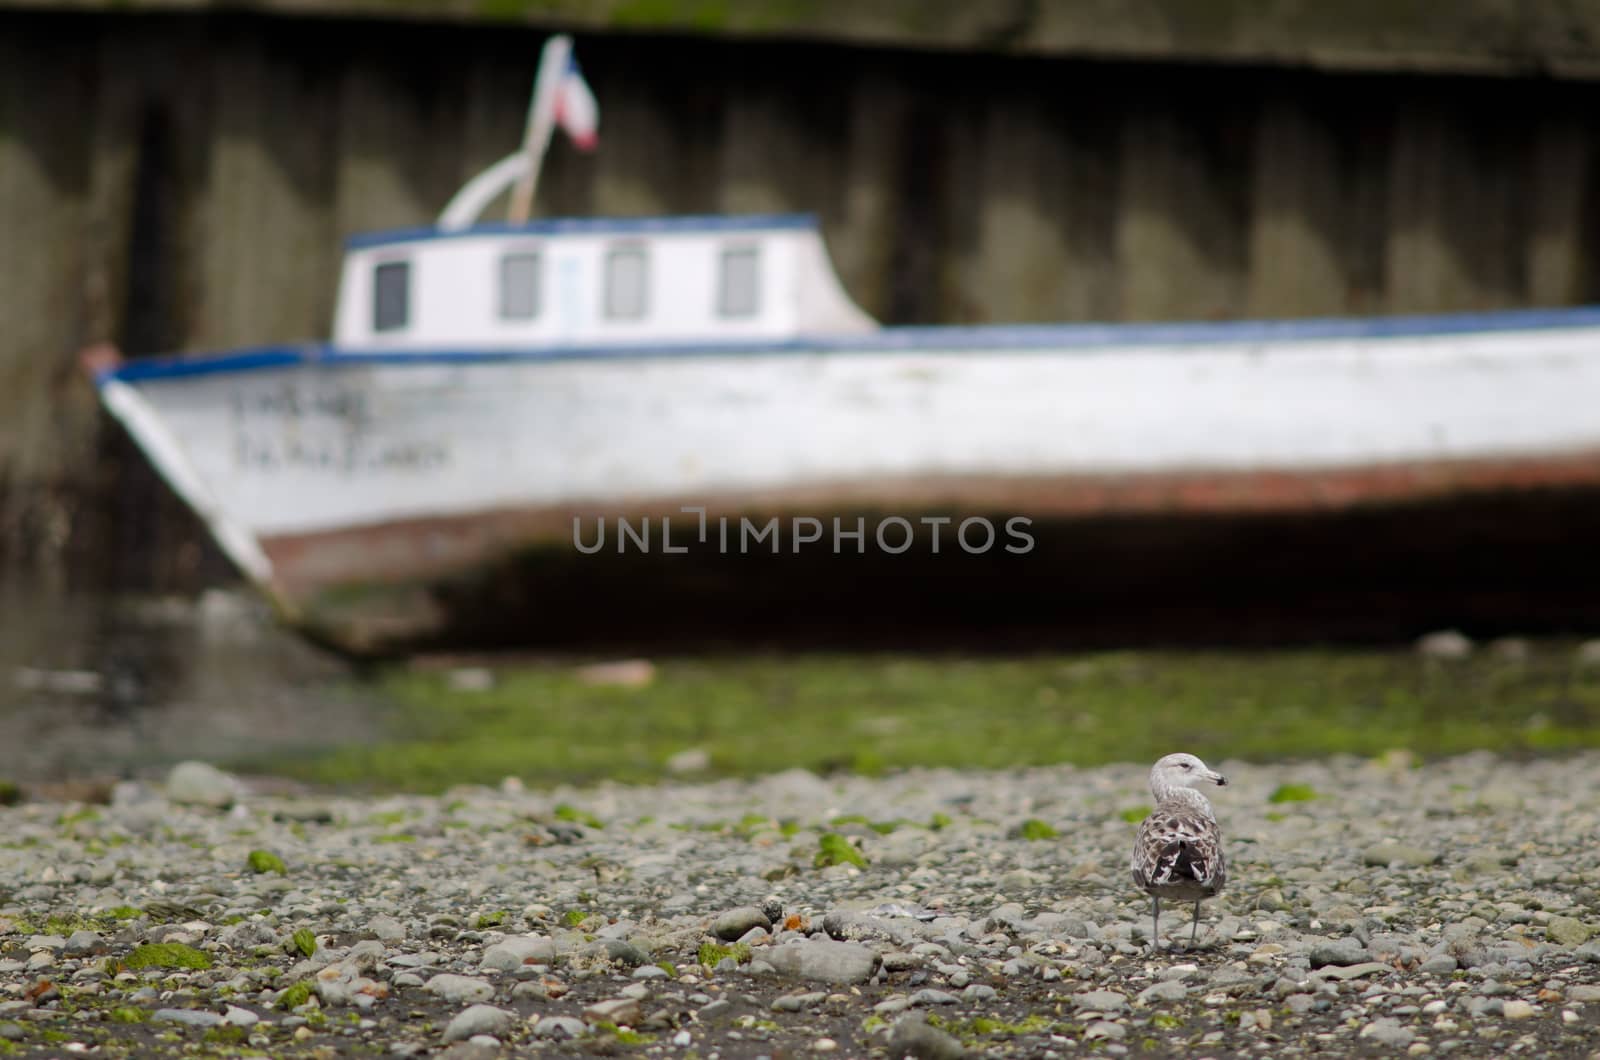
(329, 445)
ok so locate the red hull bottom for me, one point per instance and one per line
(1198, 558)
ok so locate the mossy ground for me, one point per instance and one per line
(167, 955)
(754, 715)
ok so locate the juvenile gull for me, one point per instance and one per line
(1178, 851)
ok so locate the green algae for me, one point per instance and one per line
(1292, 793)
(167, 955)
(1033, 829)
(761, 714)
(712, 953)
(835, 849)
(264, 861)
(295, 996)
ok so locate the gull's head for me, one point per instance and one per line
(1183, 771)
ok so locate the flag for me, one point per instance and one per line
(575, 108)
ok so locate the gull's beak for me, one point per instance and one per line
(1218, 779)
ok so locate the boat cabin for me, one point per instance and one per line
(599, 282)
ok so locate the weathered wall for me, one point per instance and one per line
(183, 181)
(1501, 37)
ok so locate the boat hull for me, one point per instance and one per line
(373, 495)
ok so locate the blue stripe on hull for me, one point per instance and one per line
(1074, 337)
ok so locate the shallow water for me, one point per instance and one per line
(112, 686)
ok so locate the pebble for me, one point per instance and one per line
(798, 1002)
(201, 784)
(1384, 854)
(1389, 1031)
(559, 1028)
(913, 1036)
(386, 929)
(736, 923)
(1341, 951)
(1166, 991)
(191, 1016)
(624, 1012)
(512, 953)
(933, 997)
(1562, 930)
(824, 960)
(479, 1019)
(963, 920)
(459, 988)
(1100, 1001)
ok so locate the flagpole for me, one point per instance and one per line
(541, 124)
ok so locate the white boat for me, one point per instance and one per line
(496, 390)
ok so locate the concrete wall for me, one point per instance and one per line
(1517, 38)
(183, 181)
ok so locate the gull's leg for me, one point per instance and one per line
(1195, 927)
(1155, 923)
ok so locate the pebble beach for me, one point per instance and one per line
(1375, 908)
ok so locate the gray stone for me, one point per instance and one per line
(1383, 854)
(1448, 644)
(848, 926)
(1165, 991)
(618, 951)
(459, 989)
(824, 960)
(1562, 930)
(978, 992)
(240, 1017)
(1100, 1001)
(559, 1028)
(735, 923)
(1390, 1032)
(1353, 971)
(84, 943)
(623, 1011)
(721, 1008)
(1105, 1030)
(248, 935)
(201, 784)
(1588, 993)
(1337, 951)
(478, 1019)
(933, 997)
(386, 929)
(798, 1002)
(193, 1017)
(912, 1036)
(478, 1047)
(510, 954)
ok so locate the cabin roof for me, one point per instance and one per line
(685, 224)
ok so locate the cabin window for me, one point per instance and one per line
(739, 292)
(519, 286)
(391, 296)
(627, 283)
